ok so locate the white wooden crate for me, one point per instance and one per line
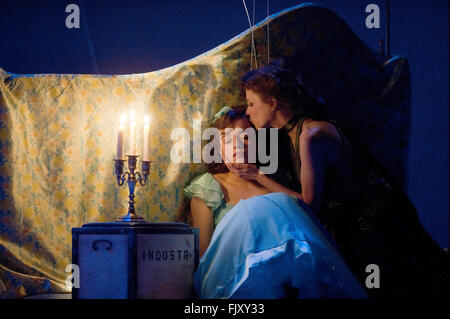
(135, 260)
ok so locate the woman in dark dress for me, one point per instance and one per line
(364, 209)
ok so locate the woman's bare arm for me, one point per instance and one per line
(251, 172)
(202, 218)
(320, 144)
(276, 187)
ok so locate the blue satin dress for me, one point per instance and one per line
(269, 247)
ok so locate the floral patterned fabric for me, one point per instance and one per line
(58, 136)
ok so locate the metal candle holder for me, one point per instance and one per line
(132, 177)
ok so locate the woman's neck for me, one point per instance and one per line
(282, 116)
(233, 178)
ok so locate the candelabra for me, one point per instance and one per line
(132, 177)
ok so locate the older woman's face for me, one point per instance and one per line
(260, 113)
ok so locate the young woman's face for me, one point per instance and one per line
(231, 152)
(260, 113)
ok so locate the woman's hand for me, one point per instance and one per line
(245, 171)
(251, 172)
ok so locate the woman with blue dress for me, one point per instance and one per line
(258, 244)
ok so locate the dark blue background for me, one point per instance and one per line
(124, 37)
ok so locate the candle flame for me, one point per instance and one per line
(122, 119)
(146, 119)
(133, 116)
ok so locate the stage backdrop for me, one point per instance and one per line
(58, 132)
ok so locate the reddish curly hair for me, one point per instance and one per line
(276, 81)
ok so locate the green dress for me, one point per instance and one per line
(209, 190)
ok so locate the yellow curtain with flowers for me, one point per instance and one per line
(58, 135)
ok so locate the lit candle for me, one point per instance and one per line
(133, 134)
(145, 156)
(120, 137)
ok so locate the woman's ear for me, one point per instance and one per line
(273, 103)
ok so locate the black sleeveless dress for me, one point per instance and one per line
(374, 222)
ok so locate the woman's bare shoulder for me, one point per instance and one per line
(323, 138)
(219, 177)
(318, 129)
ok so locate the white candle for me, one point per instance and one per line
(132, 134)
(120, 137)
(145, 156)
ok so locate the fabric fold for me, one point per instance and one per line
(268, 246)
(207, 188)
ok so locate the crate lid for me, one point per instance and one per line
(138, 224)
